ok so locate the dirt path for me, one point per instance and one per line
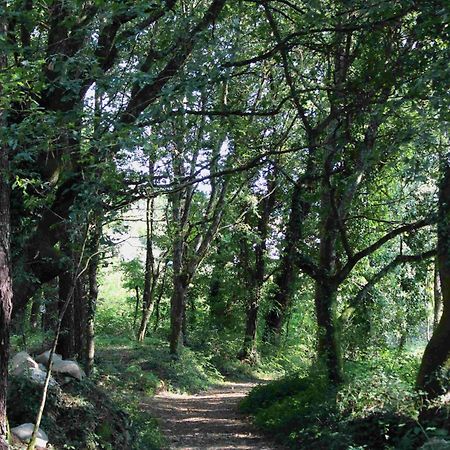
(209, 420)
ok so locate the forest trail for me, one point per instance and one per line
(209, 420)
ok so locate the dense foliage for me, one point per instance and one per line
(263, 184)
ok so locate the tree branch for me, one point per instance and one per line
(399, 260)
(345, 271)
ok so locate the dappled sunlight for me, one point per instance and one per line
(207, 420)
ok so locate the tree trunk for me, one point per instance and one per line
(249, 351)
(79, 305)
(65, 345)
(178, 306)
(437, 306)
(328, 345)
(50, 314)
(94, 246)
(34, 313)
(136, 306)
(6, 291)
(436, 357)
(159, 298)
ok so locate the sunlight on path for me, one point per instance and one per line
(209, 420)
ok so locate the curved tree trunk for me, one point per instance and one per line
(436, 357)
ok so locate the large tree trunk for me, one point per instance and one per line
(249, 350)
(6, 292)
(178, 306)
(65, 344)
(328, 345)
(436, 358)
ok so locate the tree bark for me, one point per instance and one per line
(34, 313)
(6, 290)
(79, 306)
(94, 246)
(328, 343)
(6, 293)
(437, 296)
(161, 289)
(249, 349)
(136, 306)
(178, 306)
(65, 345)
(436, 358)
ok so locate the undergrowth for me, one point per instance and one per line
(376, 408)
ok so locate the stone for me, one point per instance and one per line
(21, 362)
(67, 367)
(24, 365)
(25, 431)
(44, 357)
(37, 375)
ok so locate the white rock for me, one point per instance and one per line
(21, 362)
(71, 368)
(25, 431)
(37, 375)
(44, 357)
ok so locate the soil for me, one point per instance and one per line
(209, 420)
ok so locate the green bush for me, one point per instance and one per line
(377, 407)
(265, 395)
(295, 409)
